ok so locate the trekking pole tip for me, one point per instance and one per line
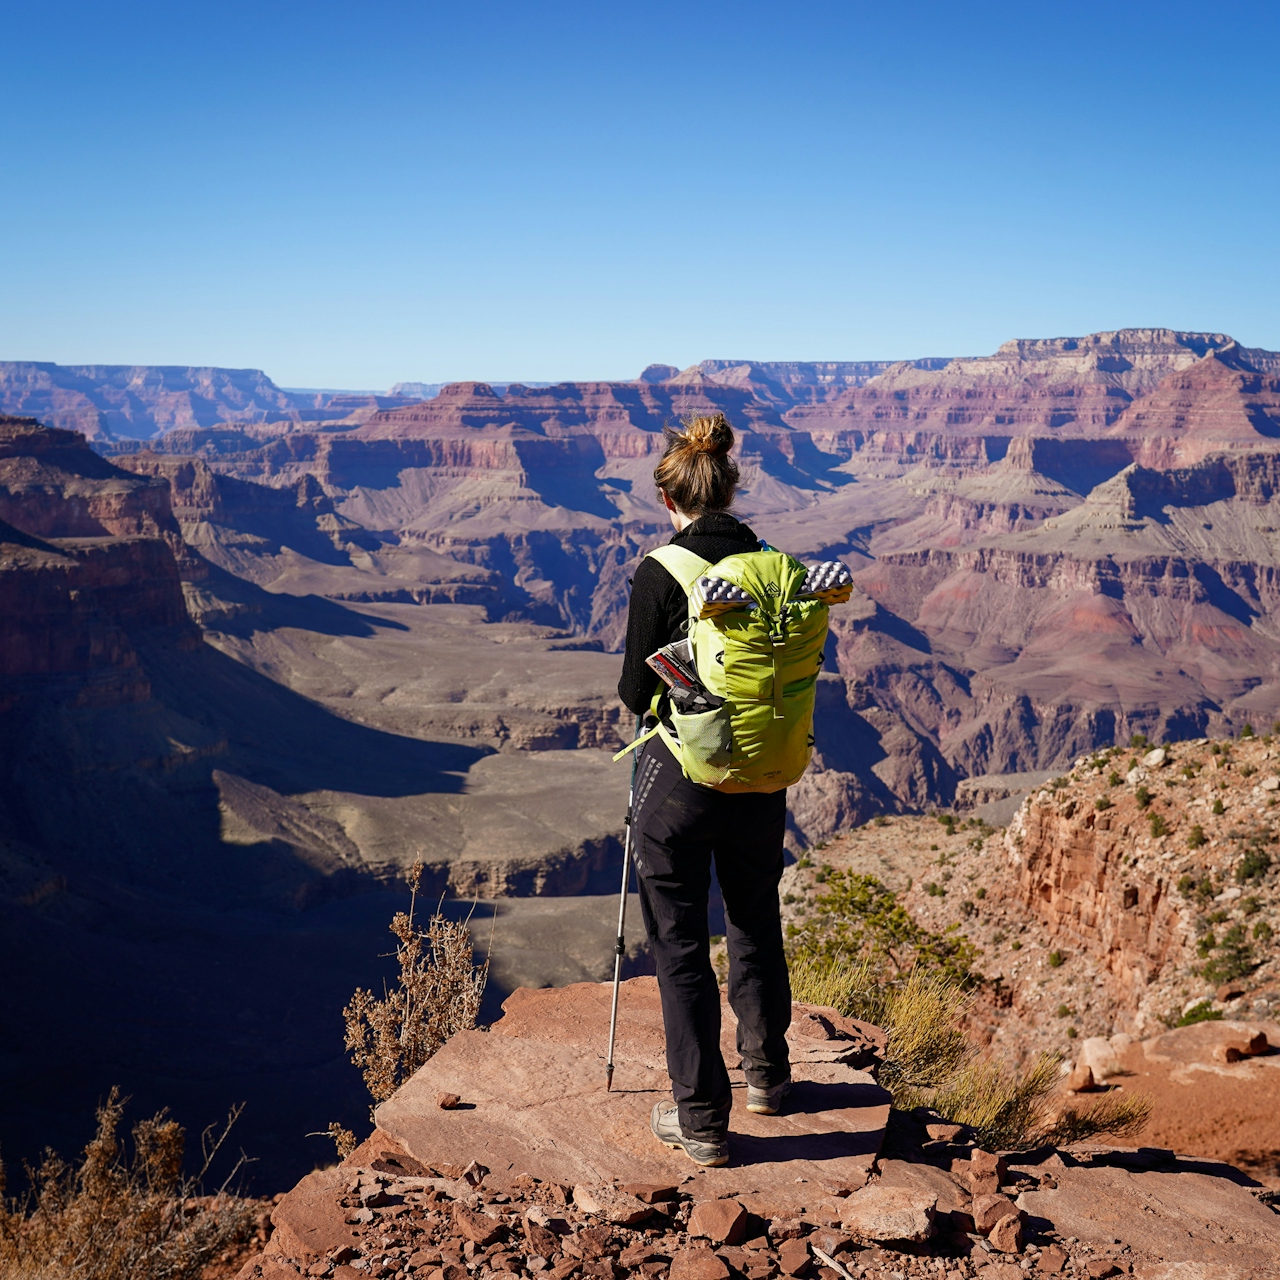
(608, 1077)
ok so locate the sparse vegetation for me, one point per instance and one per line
(1142, 796)
(124, 1216)
(1102, 802)
(1055, 959)
(1253, 866)
(857, 917)
(343, 1139)
(1197, 837)
(1114, 779)
(436, 994)
(1202, 1012)
(1218, 809)
(1138, 740)
(1120, 1114)
(1263, 932)
(929, 1061)
(1233, 958)
(1201, 888)
(1159, 827)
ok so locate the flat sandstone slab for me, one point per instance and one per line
(539, 1106)
(1196, 1218)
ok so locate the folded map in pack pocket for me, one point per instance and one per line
(674, 665)
(831, 582)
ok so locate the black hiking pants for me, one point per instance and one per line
(679, 827)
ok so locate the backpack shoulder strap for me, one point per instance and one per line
(685, 567)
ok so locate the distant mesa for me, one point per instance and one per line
(658, 373)
(429, 390)
(416, 390)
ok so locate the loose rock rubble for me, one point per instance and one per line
(924, 1201)
(385, 1216)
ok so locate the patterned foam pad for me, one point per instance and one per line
(715, 595)
(830, 582)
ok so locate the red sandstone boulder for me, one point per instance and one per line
(793, 1257)
(721, 1221)
(477, 1227)
(989, 1209)
(1007, 1234)
(698, 1264)
(889, 1213)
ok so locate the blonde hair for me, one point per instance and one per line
(696, 472)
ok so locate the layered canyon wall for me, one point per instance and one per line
(1056, 546)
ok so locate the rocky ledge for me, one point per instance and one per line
(504, 1156)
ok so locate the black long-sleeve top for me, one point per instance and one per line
(659, 607)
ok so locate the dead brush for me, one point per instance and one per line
(929, 1060)
(116, 1217)
(437, 994)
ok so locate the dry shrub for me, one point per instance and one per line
(345, 1141)
(113, 1217)
(1118, 1113)
(1005, 1106)
(437, 994)
(929, 1060)
(921, 1015)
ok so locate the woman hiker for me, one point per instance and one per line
(679, 826)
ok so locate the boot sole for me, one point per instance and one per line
(760, 1110)
(718, 1163)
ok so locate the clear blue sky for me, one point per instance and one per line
(350, 194)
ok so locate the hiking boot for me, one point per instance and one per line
(767, 1102)
(665, 1123)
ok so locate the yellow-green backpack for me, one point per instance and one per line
(762, 658)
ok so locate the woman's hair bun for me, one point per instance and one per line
(710, 433)
(696, 471)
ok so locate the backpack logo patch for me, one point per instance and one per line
(773, 589)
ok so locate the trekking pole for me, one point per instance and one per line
(620, 946)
